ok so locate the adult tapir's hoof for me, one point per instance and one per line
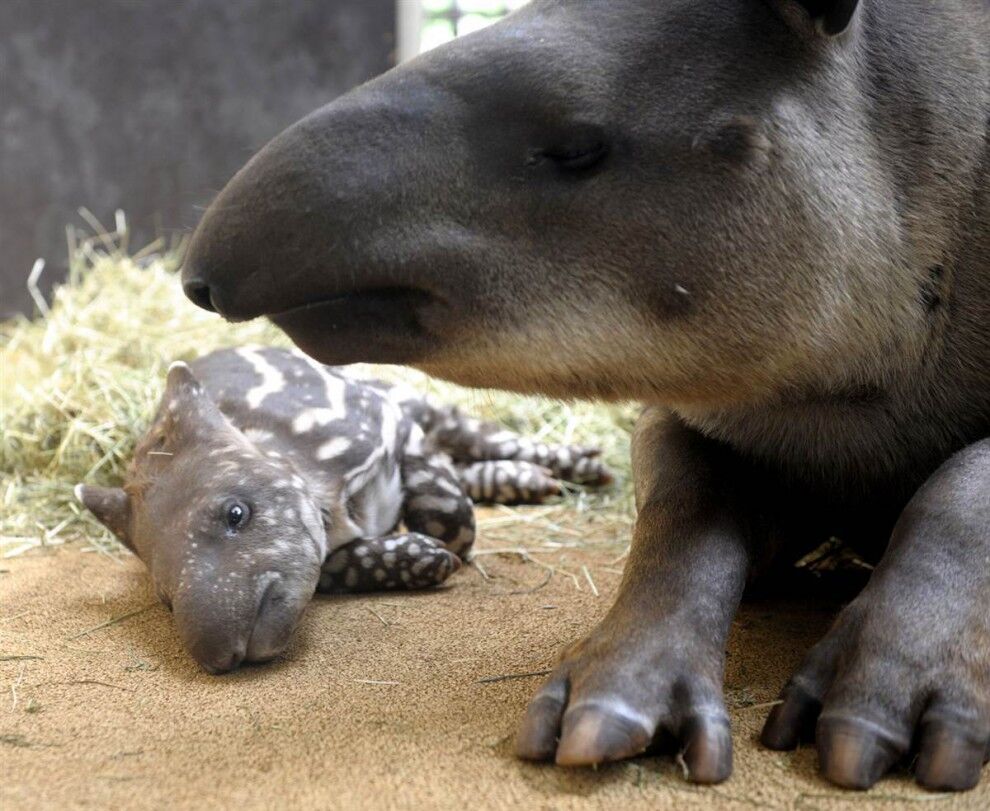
(625, 691)
(881, 685)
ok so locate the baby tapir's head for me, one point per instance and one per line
(233, 540)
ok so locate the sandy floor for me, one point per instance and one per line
(379, 703)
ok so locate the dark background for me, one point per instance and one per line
(151, 105)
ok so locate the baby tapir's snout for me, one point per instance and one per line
(251, 622)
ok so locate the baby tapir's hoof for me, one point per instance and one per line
(407, 561)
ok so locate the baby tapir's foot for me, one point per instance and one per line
(508, 482)
(407, 561)
(569, 463)
(468, 440)
(576, 464)
(882, 684)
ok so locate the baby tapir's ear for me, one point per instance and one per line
(111, 505)
(181, 382)
(191, 413)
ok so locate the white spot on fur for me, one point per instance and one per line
(334, 401)
(435, 503)
(258, 435)
(414, 444)
(449, 486)
(420, 478)
(337, 563)
(272, 379)
(333, 448)
(465, 536)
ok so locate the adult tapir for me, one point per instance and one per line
(769, 220)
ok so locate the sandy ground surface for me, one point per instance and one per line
(379, 703)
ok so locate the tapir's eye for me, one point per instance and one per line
(236, 514)
(576, 153)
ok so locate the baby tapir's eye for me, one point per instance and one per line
(236, 514)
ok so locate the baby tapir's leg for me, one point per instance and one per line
(508, 482)
(407, 561)
(435, 502)
(467, 439)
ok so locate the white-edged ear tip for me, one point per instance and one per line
(77, 491)
(179, 364)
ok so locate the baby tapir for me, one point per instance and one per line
(266, 475)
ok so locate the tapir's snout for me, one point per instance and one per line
(315, 232)
(221, 633)
(387, 226)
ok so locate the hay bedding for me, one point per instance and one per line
(81, 381)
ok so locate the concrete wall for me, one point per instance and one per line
(151, 105)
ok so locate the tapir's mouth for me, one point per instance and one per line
(386, 325)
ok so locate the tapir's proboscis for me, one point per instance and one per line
(265, 476)
(769, 221)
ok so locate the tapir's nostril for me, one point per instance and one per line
(198, 292)
(236, 657)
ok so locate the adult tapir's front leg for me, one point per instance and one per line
(654, 665)
(909, 659)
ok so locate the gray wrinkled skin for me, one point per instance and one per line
(322, 468)
(769, 221)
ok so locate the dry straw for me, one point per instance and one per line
(79, 382)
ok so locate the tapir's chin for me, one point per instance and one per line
(390, 325)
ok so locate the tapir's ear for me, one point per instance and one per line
(181, 382)
(111, 505)
(832, 17)
(190, 411)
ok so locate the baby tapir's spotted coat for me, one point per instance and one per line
(389, 456)
(266, 475)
